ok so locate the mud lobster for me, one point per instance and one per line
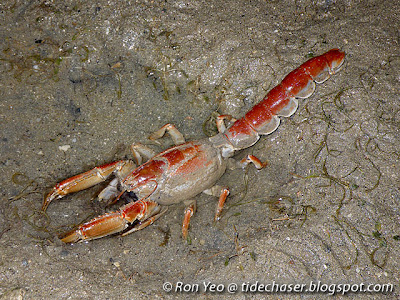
(183, 171)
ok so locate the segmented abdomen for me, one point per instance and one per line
(263, 118)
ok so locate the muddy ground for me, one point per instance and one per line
(81, 81)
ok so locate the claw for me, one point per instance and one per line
(137, 215)
(96, 228)
(88, 179)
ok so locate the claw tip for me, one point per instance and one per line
(72, 236)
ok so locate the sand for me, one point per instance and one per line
(81, 81)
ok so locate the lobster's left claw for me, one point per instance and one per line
(88, 179)
(50, 197)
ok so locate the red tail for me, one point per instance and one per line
(263, 118)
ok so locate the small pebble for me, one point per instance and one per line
(25, 263)
(64, 147)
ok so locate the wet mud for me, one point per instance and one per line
(82, 81)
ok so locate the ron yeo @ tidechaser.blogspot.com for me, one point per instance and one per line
(274, 287)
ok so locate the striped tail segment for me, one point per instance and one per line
(263, 118)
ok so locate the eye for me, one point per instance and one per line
(129, 197)
(131, 194)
